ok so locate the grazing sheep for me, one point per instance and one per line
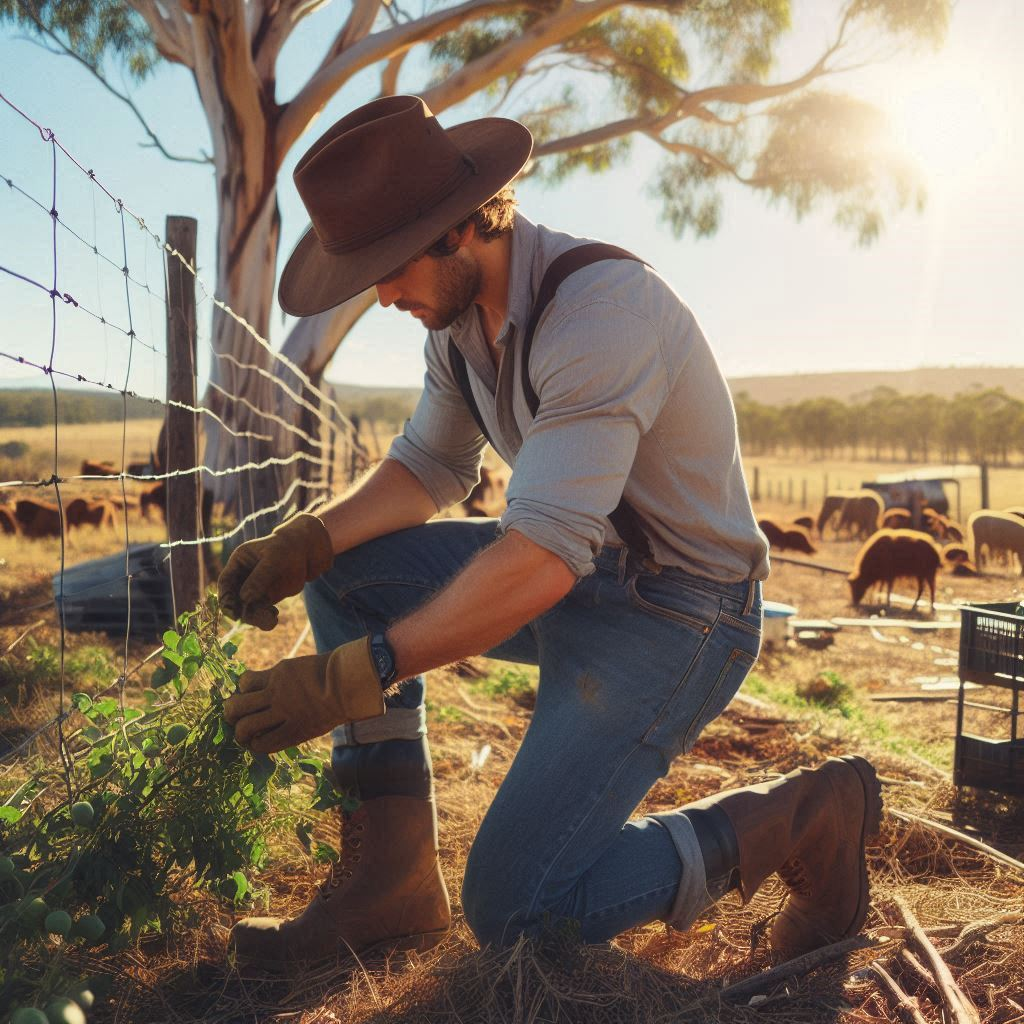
(154, 496)
(84, 512)
(830, 508)
(897, 519)
(487, 498)
(954, 553)
(8, 523)
(788, 537)
(895, 554)
(860, 514)
(105, 468)
(37, 518)
(996, 533)
(807, 522)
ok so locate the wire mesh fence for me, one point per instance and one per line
(105, 330)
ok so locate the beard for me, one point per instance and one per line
(458, 284)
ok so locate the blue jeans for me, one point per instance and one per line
(633, 664)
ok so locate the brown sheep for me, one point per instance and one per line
(897, 519)
(105, 468)
(954, 553)
(154, 496)
(895, 554)
(8, 523)
(999, 533)
(84, 512)
(487, 498)
(807, 522)
(830, 508)
(788, 537)
(37, 518)
(860, 514)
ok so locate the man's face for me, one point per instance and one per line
(434, 289)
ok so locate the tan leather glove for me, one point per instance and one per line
(301, 698)
(262, 572)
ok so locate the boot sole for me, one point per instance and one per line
(869, 827)
(418, 943)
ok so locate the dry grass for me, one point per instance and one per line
(648, 974)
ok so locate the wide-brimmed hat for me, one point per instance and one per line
(383, 184)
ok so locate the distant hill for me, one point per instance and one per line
(943, 381)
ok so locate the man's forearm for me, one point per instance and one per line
(503, 588)
(387, 499)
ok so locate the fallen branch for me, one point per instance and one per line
(907, 1007)
(796, 967)
(959, 1006)
(953, 833)
(918, 968)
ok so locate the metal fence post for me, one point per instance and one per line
(183, 492)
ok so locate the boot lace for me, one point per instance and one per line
(794, 874)
(352, 829)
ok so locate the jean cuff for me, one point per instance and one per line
(692, 896)
(394, 724)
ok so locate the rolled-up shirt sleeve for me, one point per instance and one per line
(441, 444)
(600, 375)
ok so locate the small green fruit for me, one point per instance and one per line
(29, 1015)
(6, 868)
(58, 922)
(177, 733)
(64, 1011)
(90, 928)
(82, 813)
(35, 910)
(84, 997)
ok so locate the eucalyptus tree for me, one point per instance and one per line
(696, 78)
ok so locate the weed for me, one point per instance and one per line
(509, 682)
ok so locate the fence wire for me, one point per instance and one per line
(295, 391)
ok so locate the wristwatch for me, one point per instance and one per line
(383, 659)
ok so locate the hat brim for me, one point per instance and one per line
(314, 280)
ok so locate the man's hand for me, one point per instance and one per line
(301, 698)
(262, 572)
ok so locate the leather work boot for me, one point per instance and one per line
(385, 893)
(810, 826)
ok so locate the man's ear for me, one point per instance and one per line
(456, 239)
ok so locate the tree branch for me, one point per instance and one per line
(170, 27)
(382, 45)
(65, 51)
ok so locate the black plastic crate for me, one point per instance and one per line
(992, 644)
(992, 654)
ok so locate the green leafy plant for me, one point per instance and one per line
(157, 800)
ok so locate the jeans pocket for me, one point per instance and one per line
(668, 600)
(730, 677)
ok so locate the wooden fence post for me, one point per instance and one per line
(756, 496)
(183, 492)
(984, 488)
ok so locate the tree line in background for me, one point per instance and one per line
(33, 407)
(974, 426)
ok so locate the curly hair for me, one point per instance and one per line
(492, 220)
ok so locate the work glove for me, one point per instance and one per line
(301, 698)
(262, 572)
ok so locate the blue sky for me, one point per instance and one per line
(773, 295)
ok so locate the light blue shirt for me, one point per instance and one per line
(631, 402)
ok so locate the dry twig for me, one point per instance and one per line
(953, 833)
(956, 1001)
(906, 1005)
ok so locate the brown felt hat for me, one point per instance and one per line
(381, 185)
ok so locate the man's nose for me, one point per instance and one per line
(386, 294)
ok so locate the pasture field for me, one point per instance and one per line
(799, 706)
(784, 482)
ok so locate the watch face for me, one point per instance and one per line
(383, 659)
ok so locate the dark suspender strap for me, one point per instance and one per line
(623, 517)
(458, 364)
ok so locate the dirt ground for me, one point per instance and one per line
(648, 974)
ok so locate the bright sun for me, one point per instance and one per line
(949, 122)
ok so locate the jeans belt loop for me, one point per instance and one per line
(652, 566)
(751, 584)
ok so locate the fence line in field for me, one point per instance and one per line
(335, 422)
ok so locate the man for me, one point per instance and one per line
(627, 566)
